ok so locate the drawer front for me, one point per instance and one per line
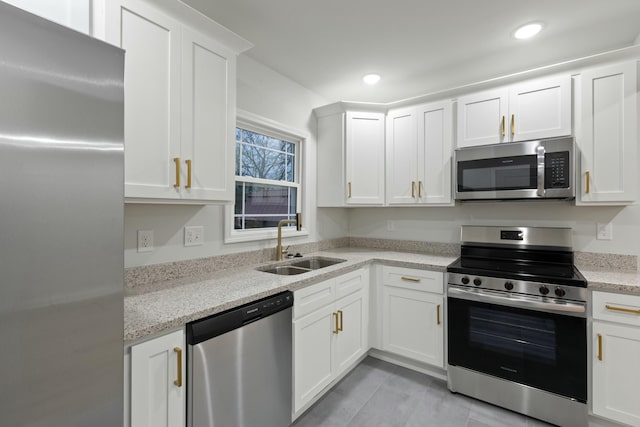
(352, 282)
(619, 308)
(409, 278)
(313, 297)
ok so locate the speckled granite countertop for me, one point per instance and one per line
(158, 307)
(155, 308)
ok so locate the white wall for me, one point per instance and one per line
(443, 224)
(264, 92)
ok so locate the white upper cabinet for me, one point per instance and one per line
(419, 149)
(606, 134)
(529, 110)
(179, 108)
(351, 158)
(74, 14)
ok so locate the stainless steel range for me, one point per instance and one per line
(517, 322)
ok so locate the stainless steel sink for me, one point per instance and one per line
(299, 267)
(315, 263)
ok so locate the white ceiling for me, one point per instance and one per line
(418, 46)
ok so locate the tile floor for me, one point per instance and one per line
(380, 394)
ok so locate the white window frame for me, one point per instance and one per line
(256, 123)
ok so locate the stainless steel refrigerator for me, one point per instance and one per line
(61, 226)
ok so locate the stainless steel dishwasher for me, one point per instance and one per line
(239, 366)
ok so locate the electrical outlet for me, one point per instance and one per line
(145, 240)
(604, 231)
(194, 236)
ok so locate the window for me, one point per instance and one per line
(267, 178)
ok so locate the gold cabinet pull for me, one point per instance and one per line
(413, 189)
(599, 347)
(513, 124)
(438, 313)
(178, 351)
(340, 327)
(409, 279)
(624, 310)
(419, 189)
(588, 179)
(177, 161)
(335, 315)
(502, 126)
(188, 162)
(349, 189)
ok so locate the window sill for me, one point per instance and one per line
(256, 235)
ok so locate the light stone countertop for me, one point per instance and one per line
(155, 308)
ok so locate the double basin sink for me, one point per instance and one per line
(302, 266)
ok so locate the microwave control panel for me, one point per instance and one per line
(556, 170)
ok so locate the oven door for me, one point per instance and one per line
(540, 349)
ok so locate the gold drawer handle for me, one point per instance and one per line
(502, 126)
(337, 327)
(588, 179)
(413, 189)
(409, 279)
(419, 189)
(599, 347)
(188, 162)
(340, 327)
(178, 351)
(438, 313)
(349, 190)
(624, 310)
(513, 124)
(177, 161)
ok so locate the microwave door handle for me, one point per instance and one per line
(540, 158)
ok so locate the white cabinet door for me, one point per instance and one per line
(152, 102)
(74, 14)
(412, 324)
(616, 372)
(208, 118)
(365, 158)
(540, 109)
(435, 149)
(157, 398)
(351, 342)
(312, 349)
(482, 118)
(402, 156)
(607, 136)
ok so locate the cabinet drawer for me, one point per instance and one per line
(409, 278)
(351, 282)
(618, 308)
(312, 298)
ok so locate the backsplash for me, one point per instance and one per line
(145, 275)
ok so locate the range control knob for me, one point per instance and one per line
(508, 286)
(477, 282)
(465, 280)
(544, 290)
(560, 292)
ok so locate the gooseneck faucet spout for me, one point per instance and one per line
(280, 252)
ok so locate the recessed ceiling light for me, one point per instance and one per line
(528, 31)
(371, 79)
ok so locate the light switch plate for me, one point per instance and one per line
(604, 231)
(194, 235)
(145, 240)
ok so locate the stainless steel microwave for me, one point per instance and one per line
(541, 169)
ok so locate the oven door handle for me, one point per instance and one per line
(574, 308)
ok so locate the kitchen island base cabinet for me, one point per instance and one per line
(413, 314)
(157, 382)
(616, 357)
(331, 339)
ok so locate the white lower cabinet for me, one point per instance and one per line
(330, 332)
(616, 357)
(158, 382)
(413, 314)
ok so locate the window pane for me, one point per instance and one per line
(266, 141)
(264, 205)
(291, 168)
(237, 159)
(267, 164)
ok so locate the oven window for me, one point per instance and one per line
(505, 173)
(513, 334)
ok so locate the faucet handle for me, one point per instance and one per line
(285, 250)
